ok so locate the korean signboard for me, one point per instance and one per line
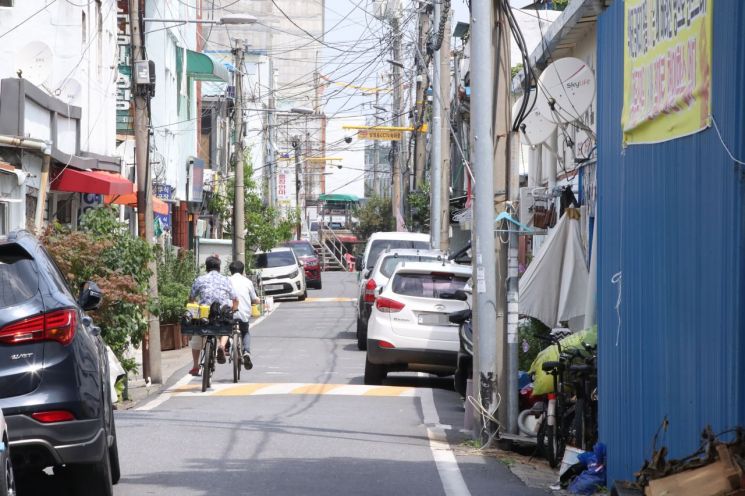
(379, 134)
(124, 78)
(667, 69)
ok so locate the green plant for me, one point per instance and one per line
(419, 205)
(176, 273)
(104, 251)
(374, 216)
(530, 345)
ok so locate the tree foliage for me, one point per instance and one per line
(105, 252)
(419, 206)
(374, 216)
(176, 273)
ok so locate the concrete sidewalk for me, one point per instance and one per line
(174, 365)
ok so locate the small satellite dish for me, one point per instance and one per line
(535, 128)
(35, 62)
(70, 92)
(566, 89)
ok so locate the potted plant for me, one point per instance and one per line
(176, 273)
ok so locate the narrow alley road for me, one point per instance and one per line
(302, 423)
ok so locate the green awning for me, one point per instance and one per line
(201, 67)
(338, 198)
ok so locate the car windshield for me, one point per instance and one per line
(303, 250)
(19, 279)
(274, 259)
(380, 245)
(430, 285)
(388, 265)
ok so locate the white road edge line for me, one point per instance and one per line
(168, 394)
(447, 465)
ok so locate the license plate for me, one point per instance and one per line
(433, 319)
(273, 287)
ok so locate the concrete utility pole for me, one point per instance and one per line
(420, 142)
(146, 229)
(445, 182)
(483, 55)
(239, 212)
(296, 146)
(271, 136)
(435, 166)
(397, 111)
(376, 145)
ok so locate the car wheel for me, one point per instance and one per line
(8, 481)
(94, 478)
(361, 335)
(319, 285)
(114, 454)
(374, 373)
(303, 296)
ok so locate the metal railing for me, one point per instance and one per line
(335, 248)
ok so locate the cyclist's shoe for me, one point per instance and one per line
(247, 363)
(220, 355)
(194, 372)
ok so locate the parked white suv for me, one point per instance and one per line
(280, 273)
(409, 328)
(378, 276)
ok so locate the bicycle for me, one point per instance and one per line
(236, 346)
(208, 355)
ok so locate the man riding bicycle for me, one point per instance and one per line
(244, 288)
(207, 289)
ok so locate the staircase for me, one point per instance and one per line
(332, 251)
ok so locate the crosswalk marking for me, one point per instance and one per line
(265, 389)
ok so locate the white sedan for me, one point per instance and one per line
(409, 329)
(7, 483)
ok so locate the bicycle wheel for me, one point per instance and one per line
(554, 445)
(235, 353)
(579, 426)
(207, 365)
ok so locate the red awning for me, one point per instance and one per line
(130, 199)
(97, 182)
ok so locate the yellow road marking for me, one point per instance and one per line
(327, 300)
(240, 390)
(315, 388)
(387, 391)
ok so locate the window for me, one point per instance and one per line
(303, 249)
(19, 279)
(389, 263)
(3, 219)
(6, 3)
(427, 285)
(274, 259)
(380, 245)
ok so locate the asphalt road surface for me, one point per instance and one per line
(302, 422)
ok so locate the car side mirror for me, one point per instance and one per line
(367, 273)
(90, 296)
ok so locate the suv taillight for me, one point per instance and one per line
(370, 291)
(53, 326)
(388, 306)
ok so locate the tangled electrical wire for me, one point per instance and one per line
(437, 44)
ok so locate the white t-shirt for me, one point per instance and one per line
(244, 288)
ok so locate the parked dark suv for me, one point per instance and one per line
(54, 386)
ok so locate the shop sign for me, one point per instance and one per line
(667, 69)
(124, 118)
(379, 134)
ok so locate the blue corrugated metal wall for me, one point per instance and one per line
(672, 221)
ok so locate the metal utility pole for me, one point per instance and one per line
(271, 131)
(435, 166)
(483, 53)
(376, 146)
(239, 213)
(420, 141)
(397, 111)
(151, 344)
(296, 146)
(443, 55)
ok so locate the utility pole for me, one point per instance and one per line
(151, 344)
(435, 166)
(397, 110)
(239, 213)
(271, 132)
(443, 55)
(483, 53)
(376, 146)
(421, 86)
(296, 146)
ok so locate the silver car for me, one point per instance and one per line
(8, 483)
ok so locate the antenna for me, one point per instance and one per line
(535, 127)
(566, 89)
(35, 62)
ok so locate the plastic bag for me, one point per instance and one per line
(594, 476)
(543, 382)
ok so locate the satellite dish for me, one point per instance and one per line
(35, 62)
(566, 90)
(535, 128)
(70, 92)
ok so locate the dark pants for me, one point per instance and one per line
(245, 337)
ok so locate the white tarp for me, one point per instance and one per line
(554, 288)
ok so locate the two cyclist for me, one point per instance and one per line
(207, 289)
